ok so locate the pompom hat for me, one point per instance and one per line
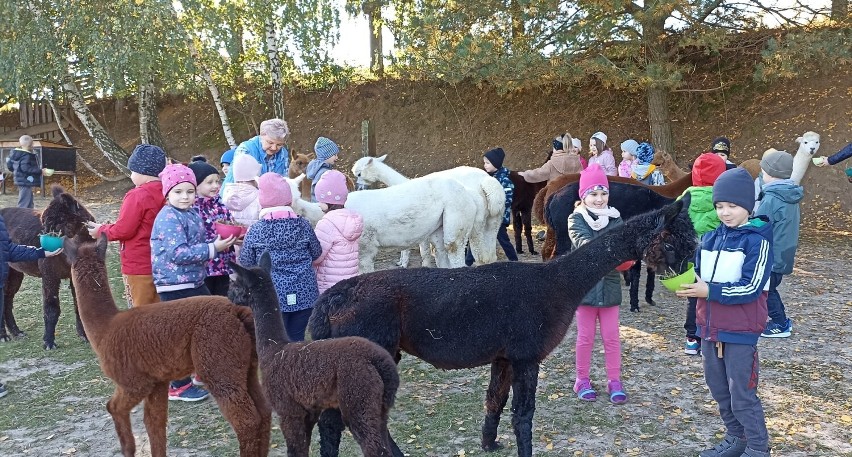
(706, 169)
(325, 148)
(591, 179)
(176, 174)
(273, 190)
(331, 188)
(245, 168)
(147, 159)
(644, 153)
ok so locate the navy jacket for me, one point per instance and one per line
(779, 202)
(841, 155)
(11, 252)
(24, 165)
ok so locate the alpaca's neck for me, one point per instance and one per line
(268, 322)
(800, 165)
(94, 298)
(388, 175)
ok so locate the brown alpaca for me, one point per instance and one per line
(670, 169)
(299, 165)
(352, 374)
(141, 349)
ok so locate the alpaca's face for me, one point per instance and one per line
(809, 143)
(298, 165)
(366, 169)
(66, 215)
(673, 247)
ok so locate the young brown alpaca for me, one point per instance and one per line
(143, 348)
(299, 165)
(303, 379)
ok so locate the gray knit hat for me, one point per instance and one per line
(147, 159)
(778, 164)
(325, 148)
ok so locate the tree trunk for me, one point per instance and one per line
(373, 11)
(110, 149)
(149, 126)
(659, 120)
(214, 92)
(274, 70)
(839, 10)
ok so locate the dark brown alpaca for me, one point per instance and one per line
(522, 206)
(143, 348)
(303, 379)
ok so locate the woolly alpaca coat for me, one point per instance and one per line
(338, 233)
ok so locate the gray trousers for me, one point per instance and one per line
(25, 197)
(733, 380)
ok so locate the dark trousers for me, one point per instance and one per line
(689, 325)
(732, 380)
(773, 300)
(295, 323)
(502, 240)
(175, 295)
(218, 285)
(25, 197)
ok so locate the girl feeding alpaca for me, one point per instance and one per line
(291, 242)
(338, 232)
(601, 154)
(592, 217)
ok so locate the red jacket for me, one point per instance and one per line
(133, 228)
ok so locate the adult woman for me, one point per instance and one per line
(564, 160)
(268, 149)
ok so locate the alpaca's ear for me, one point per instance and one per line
(101, 246)
(800, 139)
(382, 158)
(238, 269)
(293, 154)
(266, 262)
(672, 211)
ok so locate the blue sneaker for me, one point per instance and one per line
(692, 347)
(188, 392)
(774, 330)
(3, 390)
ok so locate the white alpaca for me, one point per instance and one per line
(484, 189)
(808, 146)
(309, 210)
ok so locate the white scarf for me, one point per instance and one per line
(604, 215)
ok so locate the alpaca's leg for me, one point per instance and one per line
(233, 400)
(363, 413)
(495, 400)
(517, 226)
(156, 417)
(635, 279)
(50, 297)
(526, 219)
(13, 285)
(330, 428)
(426, 254)
(293, 428)
(81, 332)
(649, 287)
(367, 257)
(548, 248)
(404, 256)
(255, 390)
(524, 384)
(119, 407)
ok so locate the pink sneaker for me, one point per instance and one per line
(584, 390)
(616, 393)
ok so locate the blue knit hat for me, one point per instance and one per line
(735, 186)
(147, 159)
(644, 153)
(228, 156)
(325, 148)
(630, 146)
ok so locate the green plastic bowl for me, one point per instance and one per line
(50, 242)
(687, 277)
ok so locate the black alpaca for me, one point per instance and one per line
(63, 214)
(522, 203)
(631, 198)
(303, 379)
(507, 314)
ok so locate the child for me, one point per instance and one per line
(601, 154)
(643, 170)
(722, 147)
(592, 217)
(577, 148)
(492, 162)
(240, 196)
(23, 163)
(732, 269)
(563, 160)
(702, 213)
(135, 221)
(226, 159)
(779, 202)
(11, 252)
(212, 210)
(326, 151)
(338, 232)
(293, 246)
(628, 155)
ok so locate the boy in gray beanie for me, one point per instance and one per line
(732, 270)
(326, 151)
(779, 201)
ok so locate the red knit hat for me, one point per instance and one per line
(706, 169)
(273, 190)
(590, 178)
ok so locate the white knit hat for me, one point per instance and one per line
(577, 143)
(600, 135)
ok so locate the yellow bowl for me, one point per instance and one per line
(674, 283)
(817, 160)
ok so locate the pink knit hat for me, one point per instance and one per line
(331, 188)
(592, 178)
(175, 174)
(273, 190)
(246, 168)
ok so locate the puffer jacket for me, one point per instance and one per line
(607, 292)
(780, 203)
(702, 211)
(133, 227)
(241, 199)
(179, 252)
(606, 160)
(560, 163)
(11, 252)
(25, 166)
(338, 233)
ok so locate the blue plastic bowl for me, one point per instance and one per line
(50, 242)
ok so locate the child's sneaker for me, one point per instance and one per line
(3, 390)
(731, 446)
(774, 330)
(196, 381)
(187, 392)
(584, 390)
(749, 452)
(616, 393)
(692, 347)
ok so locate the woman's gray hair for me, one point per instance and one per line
(275, 129)
(26, 141)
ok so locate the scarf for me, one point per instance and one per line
(602, 216)
(641, 170)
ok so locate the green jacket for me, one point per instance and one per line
(702, 211)
(607, 292)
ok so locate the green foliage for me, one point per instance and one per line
(806, 52)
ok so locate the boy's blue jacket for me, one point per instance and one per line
(11, 252)
(780, 203)
(735, 263)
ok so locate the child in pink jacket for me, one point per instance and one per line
(338, 232)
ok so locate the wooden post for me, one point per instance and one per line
(368, 139)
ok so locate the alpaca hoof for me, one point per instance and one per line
(5, 338)
(534, 252)
(493, 446)
(49, 346)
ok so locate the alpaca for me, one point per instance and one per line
(299, 165)
(304, 207)
(301, 379)
(142, 349)
(808, 146)
(670, 169)
(522, 204)
(510, 315)
(484, 190)
(63, 214)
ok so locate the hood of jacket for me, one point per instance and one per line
(313, 168)
(566, 162)
(786, 190)
(349, 223)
